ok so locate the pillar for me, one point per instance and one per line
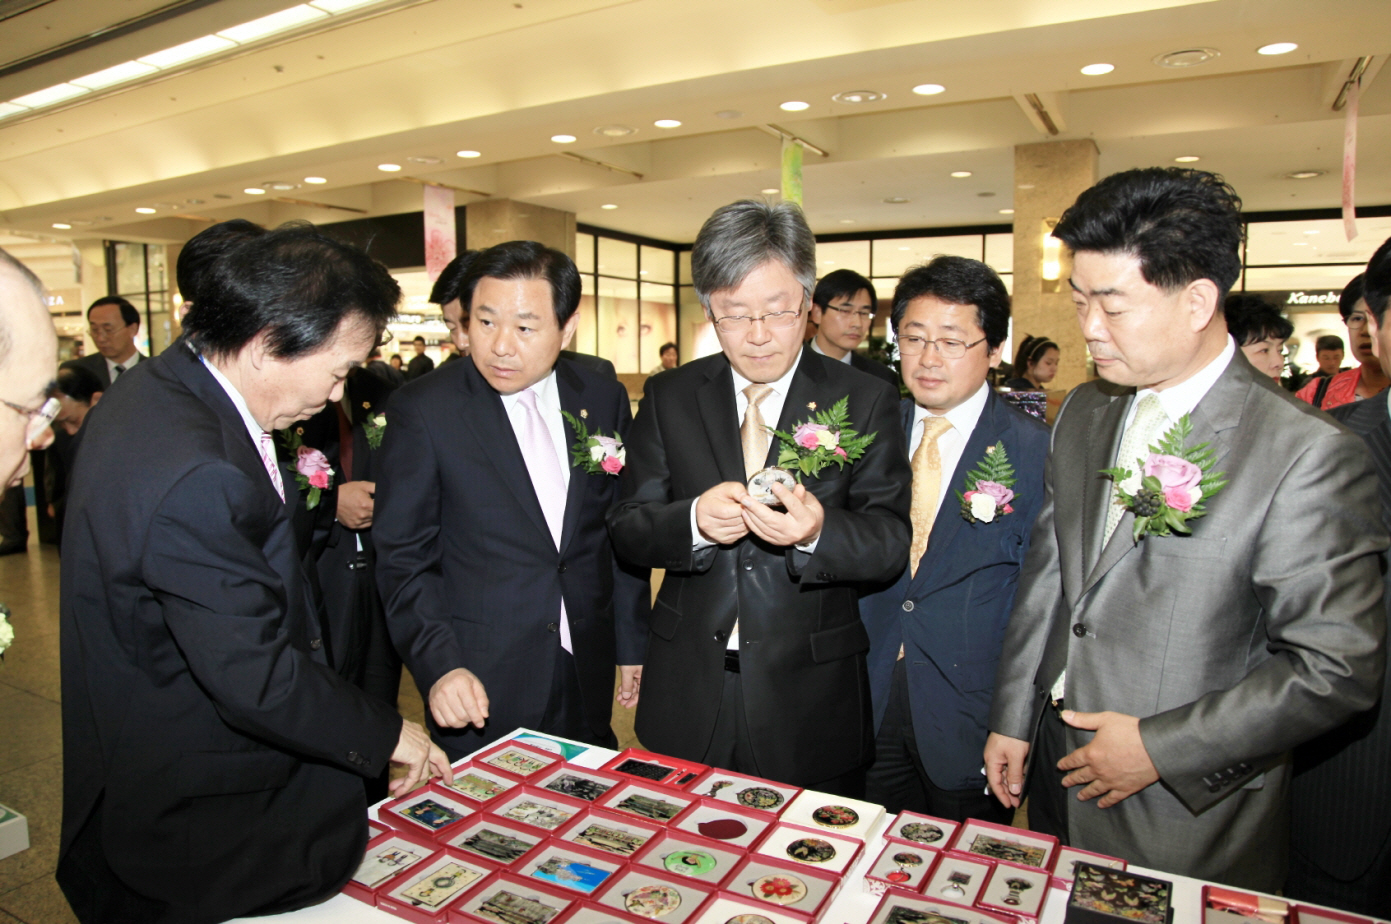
(1048, 177)
(495, 221)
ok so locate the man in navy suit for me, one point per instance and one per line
(935, 635)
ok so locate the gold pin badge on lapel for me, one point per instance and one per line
(811, 405)
(584, 415)
(367, 405)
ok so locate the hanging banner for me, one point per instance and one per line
(791, 171)
(440, 242)
(1350, 162)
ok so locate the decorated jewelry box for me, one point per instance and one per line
(1101, 895)
(1066, 860)
(835, 813)
(899, 865)
(648, 893)
(431, 810)
(1020, 892)
(724, 908)
(610, 832)
(922, 830)
(791, 886)
(826, 850)
(388, 855)
(707, 861)
(650, 801)
(577, 782)
(655, 768)
(569, 866)
(725, 822)
(519, 761)
(1006, 844)
(426, 892)
(493, 840)
(747, 791)
(509, 899)
(537, 808)
(901, 907)
(479, 784)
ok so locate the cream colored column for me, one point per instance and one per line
(495, 221)
(1047, 179)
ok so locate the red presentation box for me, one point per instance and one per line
(649, 801)
(958, 878)
(506, 899)
(608, 832)
(577, 782)
(494, 841)
(706, 861)
(899, 865)
(647, 893)
(1006, 844)
(655, 768)
(1222, 905)
(479, 783)
(834, 853)
(427, 892)
(900, 905)
(1065, 864)
(748, 791)
(590, 913)
(1017, 891)
(541, 809)
(789, 886)
(1308, 914)
(387, 856)
(922, 830)
(725, 822)
(375, 829)
(570, 866)
(519, 761)
(433, 810)
(724, 908)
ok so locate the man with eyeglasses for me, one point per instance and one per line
(842, 307)
(756, 652)
(935, 635)
(113, 323)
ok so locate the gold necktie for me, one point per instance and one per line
(927, 486)
(1144, 428)
(752, 434)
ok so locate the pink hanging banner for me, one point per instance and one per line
(1350, 162)
(440, 242)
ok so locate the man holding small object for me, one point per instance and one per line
(756, 651)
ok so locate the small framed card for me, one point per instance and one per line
(537, 808)
(577, 782)
(432, 810)
(509, 899)
(725, 822)
(621, 835)
(899, 907)
(825, 850)
(923, 830)
(490, 838)
(785, 885)
(904, 866)
(646, 893)
(387, 855)
(958, 879)
(1066, 859)
(747, 791)
(1016, 891)
(1304, 914)
(479, 784)
(729, 909)
(426, 892)
(1230, 906)
(655, 803)
(655, 768)
(517, 760)
(570, 867)
(684, 855)
(1109, 896)
(1006, 844)
(835, 813)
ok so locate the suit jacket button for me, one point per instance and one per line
(560, 568)
(355, 757)
(748, 564)
(1079, 630)
(1214, 787)
(721, 635)
(907, 606)
(552, 627)
(316, 643)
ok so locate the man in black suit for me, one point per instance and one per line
(113, 323)
(1340, 807)
(420, 364)
(502, 593)
(213, 757)
(843, 308)
(756, 658)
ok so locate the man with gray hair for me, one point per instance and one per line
(756, 656)
(28, 353)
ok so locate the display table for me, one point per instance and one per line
(853, 905)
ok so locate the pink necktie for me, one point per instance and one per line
(538, 449)
(272, 468)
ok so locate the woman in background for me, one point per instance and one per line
(1260, 331)
(1035, 365)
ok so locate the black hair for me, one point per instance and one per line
(1328, 342)
(1030, 352)
(1376, 286)
(961, 281)
(128, 312)
(1251, 319)
(418, 339)
(1350, 296)
(842, 283)
(665, 347)
(294, 285)
(202, 250)
(395, 356)
(1182, 225)
(77, 382)
(446, 287)
(526, 260)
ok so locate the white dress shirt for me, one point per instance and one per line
(128, 365)
(548, 403)
(253, 429)
(951, 444)
(816, 348)
(1183, 397)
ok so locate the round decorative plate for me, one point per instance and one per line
(749, 919)
(811, 850)
(836, 816)
(652, 901)
(908, 859)
(723, 829)
(780, 889)
(690, 862)
(760, 797)
(921, 832)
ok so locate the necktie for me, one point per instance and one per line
(272, 467)
(116, 372)
(927, 486)
(1144, 429)
(538, 449)
(753, 434)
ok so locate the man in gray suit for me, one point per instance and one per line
(1163, 681)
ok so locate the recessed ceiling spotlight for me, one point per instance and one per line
(1096, 70)
(667, 123)
(897, 200)
(1006, 211)
(280, 185)
(729, 114)
(62, 226)
(84, 222)
(254, 191)
(905, 248)
(1277, 48)
(960, 174)
(145, 210)
(1312, 231)
(193, 202)
(563, 139)
(1304, 174)
(608, 205)
(794, 105)
(858, 96)
(929, 89)
(1188, 57)
(424, 159)
(771, 191)
(614, 131)
(468, 154)
(847, 221)
(388, 168)
(1187, 159)
(315, 180)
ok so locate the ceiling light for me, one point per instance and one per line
(1188, 57)
(1096, 70)
(49, 95)
(145, 210)
(279, 185)
(563, 139)
(1006, 211)
(961, 174)
(188, 51)
(315, 180)
(614, 131)
(1299, 243)
(388, 168)
(905, 248)
(771, 191)
(62, 226)
(858, 96)
(468, 154)
(9, 109)
(1187, 159)
(897, 200)
(794, 106)
(275, 22)
(114, 75)
(667, 123)
(929, 89)
(338, 6)
(608, 205)
(254, 191)
(1304, 174)
(729, 114)
(424, 160)
(1312, 231)
(1277, 48)
(847, 221)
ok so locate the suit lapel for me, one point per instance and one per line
(1103, 441)
(571, 388)
(716, 402)
(804, 390)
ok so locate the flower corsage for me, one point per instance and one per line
(1171, 485)
(313, 474)
(989, 487)
(6, 630)
(375, 428)
(593, 452)
(823, 440)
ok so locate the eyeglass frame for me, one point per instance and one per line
(40, 418)
(751, 320)
(864, 314)
(936, 344)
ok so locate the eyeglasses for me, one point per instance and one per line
(911, 345)
(105, 330)
(864, 314)
(778, 320)
(40, 418)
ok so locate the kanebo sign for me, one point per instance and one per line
(1311, 298)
